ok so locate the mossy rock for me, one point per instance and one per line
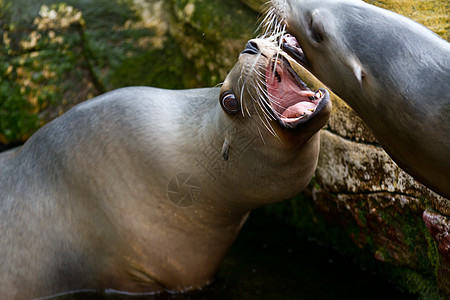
(44, 69)
(110, 44)
(211, 34)
(434, 14)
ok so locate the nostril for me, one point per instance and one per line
(251, 48)
(253, 44)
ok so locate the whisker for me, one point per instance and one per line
(266, 122)
(261, 136)
(266, 102)
(268, 13)
(242, 97)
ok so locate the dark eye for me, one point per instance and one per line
(317, 29)
(229, 103)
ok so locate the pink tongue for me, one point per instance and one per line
(286, 93)
(299, 109)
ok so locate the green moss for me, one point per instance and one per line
(17, 119)
(232, 17)
(210, 34)
(37, 59)
(432, 251)
(416, 283)
(301, 213)
(431, 13)
(165, 68)
(110, 47)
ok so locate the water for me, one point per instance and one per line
(269, 261)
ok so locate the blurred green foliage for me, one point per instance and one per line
(16, 117)
(35, 58)
(56, 54)
(17, 120)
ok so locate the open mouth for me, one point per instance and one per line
(290, 100)
(290, 45)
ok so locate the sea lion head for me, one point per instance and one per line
(334, 41)
(264, 85)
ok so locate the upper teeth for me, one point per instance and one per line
(319, 94)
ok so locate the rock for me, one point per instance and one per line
(439, 227)
(211, 34)
(45, 70)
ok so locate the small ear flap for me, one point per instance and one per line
(225, 150)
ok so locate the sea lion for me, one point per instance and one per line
(392, 71)
(143, 189)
